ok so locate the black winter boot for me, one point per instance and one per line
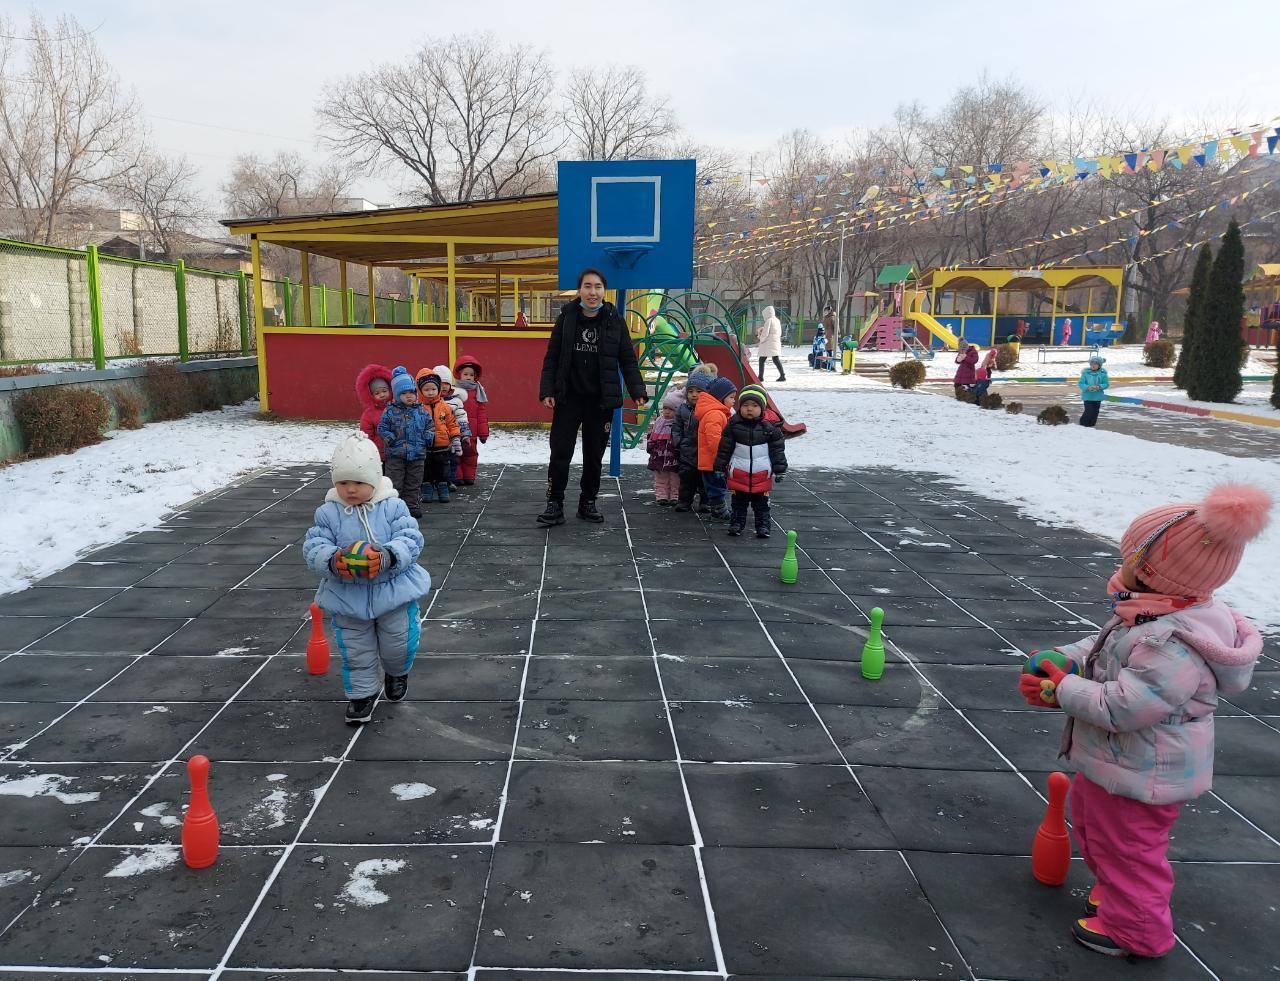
(587, 510)
(553, 515)
(360, 710)
(395, 687)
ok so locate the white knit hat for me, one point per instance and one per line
(445, 374)
(356, 458)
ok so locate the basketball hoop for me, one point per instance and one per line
(626, 256)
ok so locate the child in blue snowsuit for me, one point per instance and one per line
(373, 612)
(406, 431)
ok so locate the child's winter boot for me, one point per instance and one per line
(442, 492)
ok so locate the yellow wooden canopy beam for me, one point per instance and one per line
(396, 238)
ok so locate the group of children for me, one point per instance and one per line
(425, 427)
(1139, 695)
(700, 447)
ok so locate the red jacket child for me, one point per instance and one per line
(374, 399)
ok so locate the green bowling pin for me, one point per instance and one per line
(873, 649)
(790, 570)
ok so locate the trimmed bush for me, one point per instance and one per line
(906, 374)
(128, 411)
(1159, 354)
(167, 391)
(1053, 415)
(992, 400)
(20, 370)
(1007, 356)
(205, 394)
(58, 420)
(1013, 408)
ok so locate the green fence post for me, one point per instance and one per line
(244, 312)
(180, 281)
(288, 319)
(351, 306)
(95, 309)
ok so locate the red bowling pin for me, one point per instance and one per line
(317, 646)
(200, 826)
(1051, 850)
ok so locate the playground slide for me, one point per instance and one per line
(929, 323)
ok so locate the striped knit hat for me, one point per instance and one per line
(756, 393)
(1192, 549)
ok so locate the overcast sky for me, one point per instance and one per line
(738, 74)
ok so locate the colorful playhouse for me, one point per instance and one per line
(983, 305)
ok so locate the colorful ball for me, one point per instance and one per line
(357, 557)
(1063, 662)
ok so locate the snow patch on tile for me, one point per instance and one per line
(362, 888)
(149, 859)
(412, 791)
(45, 785)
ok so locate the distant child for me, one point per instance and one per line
(1093, 389)
(664, 461)
(982, 375)
(966, 375)
(373, 389)
(406, 433)
(467, 373)
(373, 612)
(447, 440)
(456, 399)
(684, 436)
(1139, 730)
(711, 415)
(751, 457)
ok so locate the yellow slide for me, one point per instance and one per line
(929, 323)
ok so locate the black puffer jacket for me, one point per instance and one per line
(750, 454)
(684, 436)
(615, 352)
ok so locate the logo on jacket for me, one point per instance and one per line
(589, 340)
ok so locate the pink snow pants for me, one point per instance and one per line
(1125, 843)
(666, 485)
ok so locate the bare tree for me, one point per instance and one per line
(162, 190)
(466, 118)
(611, 116)
(66, 126)
(286, 184)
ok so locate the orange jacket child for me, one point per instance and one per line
(712, 414)
(447, 431)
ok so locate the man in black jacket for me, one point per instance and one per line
(589, 345)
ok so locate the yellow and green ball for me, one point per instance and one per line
(357, 557)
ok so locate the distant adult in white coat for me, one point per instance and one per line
(769, 343)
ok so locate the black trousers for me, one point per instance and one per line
(690, 484)
(406, 478)
(759, 504)
(567, 418)
(1089, 417)
(437, 470)
(777, 363)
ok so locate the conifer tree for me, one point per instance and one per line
(1215, 375)
(1194, 317)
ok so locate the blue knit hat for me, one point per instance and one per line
(721, 387)
(401, 381)
(700, 380)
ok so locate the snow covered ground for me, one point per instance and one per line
(1254, 399)
(1065, 476)
(1124, 361)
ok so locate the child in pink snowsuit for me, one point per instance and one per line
(1140, 714)
(663, 458)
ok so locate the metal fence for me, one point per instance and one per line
(72, 305)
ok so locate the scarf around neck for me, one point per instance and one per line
(1135, 608)
(471, 385)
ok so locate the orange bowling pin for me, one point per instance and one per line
(1051, 850)
(317, 646)
(200, 826)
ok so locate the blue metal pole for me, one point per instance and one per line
(615, 431)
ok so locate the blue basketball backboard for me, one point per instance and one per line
(631, 219)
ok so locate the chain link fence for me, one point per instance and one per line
(72, 305)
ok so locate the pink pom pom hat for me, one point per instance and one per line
(1192, 549)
